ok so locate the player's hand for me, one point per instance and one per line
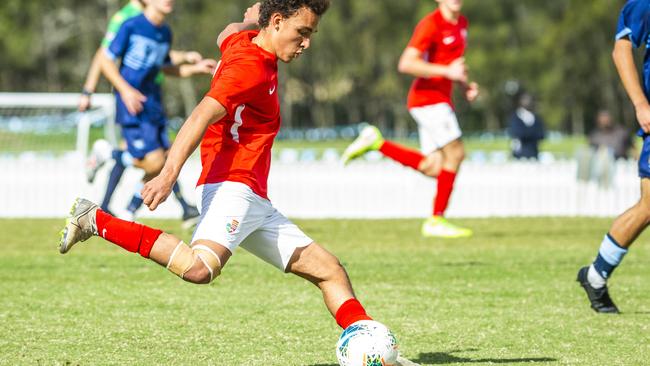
(457, 71)
(643, 116)
(192, 57)
(205, 66)
(133, 100)
(84, 103)
(472, 91)
(252, 14)
(157, 190)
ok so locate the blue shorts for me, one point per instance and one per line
(644, 159)
(144, 138)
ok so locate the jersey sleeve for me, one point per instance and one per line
(423, 35)
(120, 43)
(235, 83)
(633, 22)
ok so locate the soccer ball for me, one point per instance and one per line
(367, 343)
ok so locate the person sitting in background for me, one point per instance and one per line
(526, 129)
(611, 136)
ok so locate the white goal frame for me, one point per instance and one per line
(104, 102)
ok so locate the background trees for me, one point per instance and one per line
(559, 50)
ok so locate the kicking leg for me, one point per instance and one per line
(200, 263)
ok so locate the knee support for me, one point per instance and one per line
(184, 257)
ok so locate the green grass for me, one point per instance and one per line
(506, 296)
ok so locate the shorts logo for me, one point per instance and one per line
(232, 226)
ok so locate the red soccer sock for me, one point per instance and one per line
(351, 311)
(445, 187)
(131, 236)
(404, 155)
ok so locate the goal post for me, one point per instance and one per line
(53, 116)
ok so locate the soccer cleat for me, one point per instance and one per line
(599, 297)
(191, 217)
(80, 226)
(439, 227)
(99, 155)
(370, 138)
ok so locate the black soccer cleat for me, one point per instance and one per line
(599, 297)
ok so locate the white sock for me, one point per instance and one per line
(595, 280)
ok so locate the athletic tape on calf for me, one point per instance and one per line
(181, 259)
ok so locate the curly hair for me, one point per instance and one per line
(288, 8)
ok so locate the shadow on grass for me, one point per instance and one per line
(441, 358)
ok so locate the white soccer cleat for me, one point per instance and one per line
(80, 226)
(99, 155)
(370, 138)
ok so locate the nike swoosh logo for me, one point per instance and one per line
(448, 40)
(272, 90)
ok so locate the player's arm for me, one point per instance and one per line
(131, 97)
(412, 63)
(205, 66)
(471, 90)
(90, 85)
(207, 112)
(624, 60)
(185, 57)
(250, 22)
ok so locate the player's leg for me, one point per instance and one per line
(325, 271)
(453, 155)
(440, 135)
(199, 263)
(370, 139)
(282, 244)
(123, 160)
(151, 163)
(625, 229)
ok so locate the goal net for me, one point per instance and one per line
(50, 123)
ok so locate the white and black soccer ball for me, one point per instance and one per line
(367, 343)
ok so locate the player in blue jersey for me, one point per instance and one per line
(102, 150)
(633, 31)
(143, 44)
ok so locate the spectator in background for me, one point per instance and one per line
(526, 129)
(611, 136)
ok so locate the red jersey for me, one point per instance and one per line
(238, 147)
(441, 43)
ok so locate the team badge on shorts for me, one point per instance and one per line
(232, 226)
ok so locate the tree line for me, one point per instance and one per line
(558, 50)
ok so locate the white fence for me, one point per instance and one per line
(35, 186)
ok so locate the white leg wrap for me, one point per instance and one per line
(209, 258)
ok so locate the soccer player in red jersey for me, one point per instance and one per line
(235, 123)
(434, 56)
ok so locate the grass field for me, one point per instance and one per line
(507, 296)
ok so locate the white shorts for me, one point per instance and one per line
(232, 214)
(437, 126)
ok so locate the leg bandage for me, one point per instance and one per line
(209, 258)
(184, 257)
